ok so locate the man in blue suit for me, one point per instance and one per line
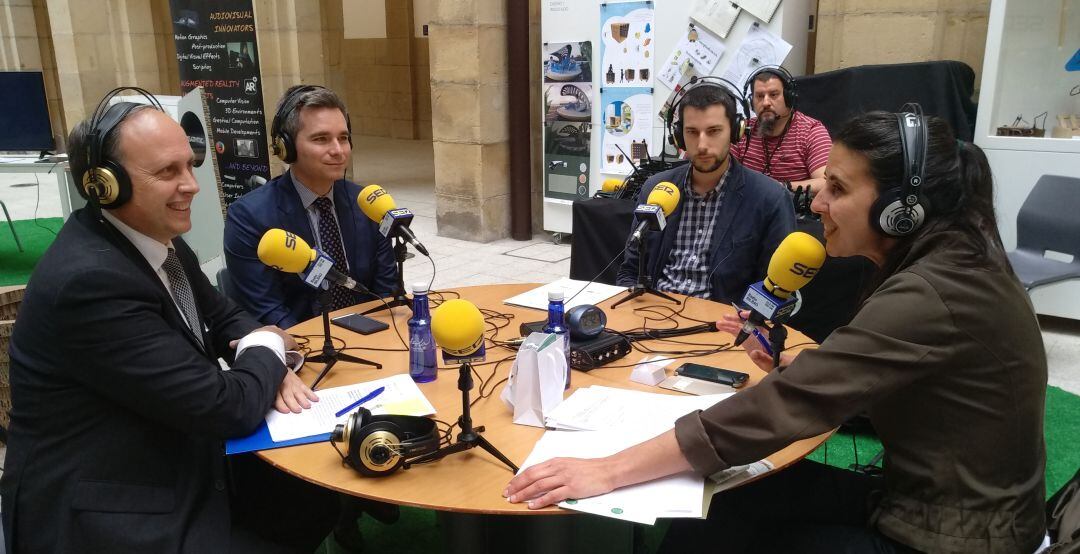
(729, 220)
(311, 132)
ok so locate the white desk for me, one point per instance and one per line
(59, 170)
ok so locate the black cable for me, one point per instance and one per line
(617, 256)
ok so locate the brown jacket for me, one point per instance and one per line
(948, 359)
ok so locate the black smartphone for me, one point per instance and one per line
(733, 379)
(359, 323)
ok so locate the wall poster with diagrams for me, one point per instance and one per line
(568, 107)
(628, 53)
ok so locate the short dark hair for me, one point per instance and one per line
(766, 75)
(707, 94)
(78, 145)
(317, 97)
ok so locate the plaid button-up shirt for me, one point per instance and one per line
(687, 268)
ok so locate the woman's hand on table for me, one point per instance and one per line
(558, 479)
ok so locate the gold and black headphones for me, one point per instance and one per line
(282, 144)
(105, 183)
(737, 120)
(378, 445)
(791, 95)
(900, 210)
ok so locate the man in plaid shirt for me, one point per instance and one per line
(730, 220)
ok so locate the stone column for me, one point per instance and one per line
(469, 119)
(291, 50)
(103, 44)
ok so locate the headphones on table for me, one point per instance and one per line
(377, 445)
(105, 182)
(900, 210)
(791, 96)
(283, 145)
(738, 121)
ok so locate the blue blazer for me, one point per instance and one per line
(756, 215)
(277, 298)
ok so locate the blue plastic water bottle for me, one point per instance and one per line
(422, 367)
(555, 324)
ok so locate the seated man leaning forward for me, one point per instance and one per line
(314, 201)
(120, 408)
(730, 220)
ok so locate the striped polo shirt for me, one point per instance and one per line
(792, 156)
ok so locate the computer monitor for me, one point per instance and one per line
(24, 112)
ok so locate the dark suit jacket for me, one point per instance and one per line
(277, 298)
(755, 216)
(118, 414)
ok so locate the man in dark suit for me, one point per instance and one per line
(119, 404)
(729, 219)
(314, 201)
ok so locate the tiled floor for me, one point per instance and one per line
(406, 170)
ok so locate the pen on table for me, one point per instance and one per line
(366, 397)
(757, 333)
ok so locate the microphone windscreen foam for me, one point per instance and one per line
(374, 201)
(666, 195)
(795, 262)
(284, 251)
(458, 327)
(611, 185)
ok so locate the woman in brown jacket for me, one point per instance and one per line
(945, 354)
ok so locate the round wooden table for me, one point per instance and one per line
(473, 481)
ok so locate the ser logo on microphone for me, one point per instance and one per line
(803, 270)
(375, 194)
(665, 187)
(290, 241)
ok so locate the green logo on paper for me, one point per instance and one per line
(616, 511)
(571, 501)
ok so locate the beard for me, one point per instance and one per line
(703, 168)
(767, 123)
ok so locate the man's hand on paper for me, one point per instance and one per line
(293, 395)
(290, 341)
(558, 479)
(732, 324)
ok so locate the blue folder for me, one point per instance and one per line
(261, 440)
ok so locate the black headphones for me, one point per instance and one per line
(378, 445)
(105, 183)
(899, 210)
(737, 120)
(791, 96)
(283, 145)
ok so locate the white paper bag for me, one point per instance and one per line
(537, 379)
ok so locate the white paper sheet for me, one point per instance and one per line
(674, 496)
(594, 294)
(718, 15)
(761, 9)
(599, 408)
(401, 397)
(697, 46)
(760, 47)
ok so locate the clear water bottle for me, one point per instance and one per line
(422, 366)
(555, 324)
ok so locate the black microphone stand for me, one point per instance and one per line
(644, 282)
(470, 436)
(330, 355)
(401, 253)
